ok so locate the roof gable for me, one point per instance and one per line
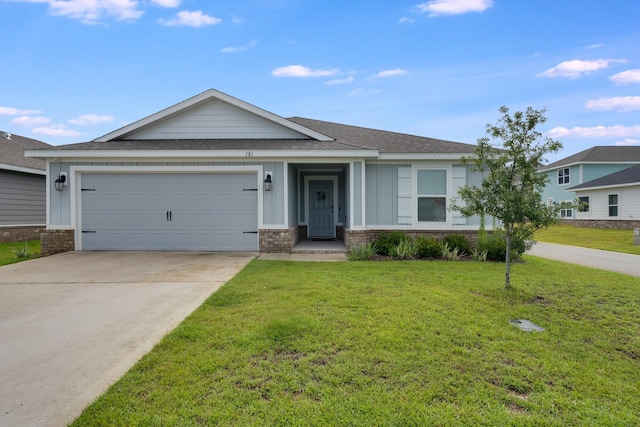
(213, 115)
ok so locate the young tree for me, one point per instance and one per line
(511, 189)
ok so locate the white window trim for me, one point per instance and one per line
(447, 195)
(617, 205)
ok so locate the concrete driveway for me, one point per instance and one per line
(72, 324)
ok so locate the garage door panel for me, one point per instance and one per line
(169, 211)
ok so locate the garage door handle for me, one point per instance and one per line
(169, 216)
(249, 232)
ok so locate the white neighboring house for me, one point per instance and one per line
(612, 201)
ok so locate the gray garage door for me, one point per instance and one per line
(184, 212)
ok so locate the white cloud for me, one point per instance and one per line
(619, 103)
(339, 81)
(92, 11)
(301, 71)
(628, 141)
(57, 130)
(167, 3)
(91, 119)
(576, 68)
(617, 131)
(196, 19)
(626, 77)
(242, 48)
(361, 91)
(595, 46)
(30, 121)
(9, 111)
(389, 73)
(405, 20)
(453, 7)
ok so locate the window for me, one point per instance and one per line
(563, 176)
(613, 205)
(566, 213)
(432, 196)
(583, 204)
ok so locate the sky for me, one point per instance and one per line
(75, 70)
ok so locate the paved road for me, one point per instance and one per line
(72, 324)
(604, 260)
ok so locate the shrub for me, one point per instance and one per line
(362, 252)
(457, 241)
(428, 247)
(406, 249)
(496, 247)
(386, 241)
(450, 253)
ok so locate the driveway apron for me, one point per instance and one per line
(594, 258)
(72, 324)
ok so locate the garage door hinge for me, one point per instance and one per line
(89, 231)
(249, 189)
(249, 232)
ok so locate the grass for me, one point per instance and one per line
(393, 343)
(13, 252)
(594, 238)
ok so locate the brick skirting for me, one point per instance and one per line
(19, 233)
(279, 240)
(617, 224)
(353, 238)
(56, 241)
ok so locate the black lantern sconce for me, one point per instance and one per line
(268, 184)
(60, 182)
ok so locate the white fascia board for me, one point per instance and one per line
(176, 155)
(212, 93)
(421, 156)
(15, 168)
(603, 187)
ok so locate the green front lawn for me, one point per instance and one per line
(594, 238)
(393, 343)
(12, 252)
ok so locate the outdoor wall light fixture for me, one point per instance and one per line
(60, 182)
(268, 184)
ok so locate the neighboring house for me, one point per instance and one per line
(22, 189)
(612, 201)
(216, 173)
(582, 167)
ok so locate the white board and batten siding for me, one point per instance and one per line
(215, 119)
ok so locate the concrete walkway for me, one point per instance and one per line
(603, 260)
(72, 324)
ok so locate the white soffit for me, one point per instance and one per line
(203, 97)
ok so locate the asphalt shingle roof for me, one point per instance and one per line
(626, 176)
(12, 151)
(601, 154)
(345, 138)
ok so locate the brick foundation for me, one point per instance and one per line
(353, 238)
(279, 240)
(56, 241)
(619, 224)
(19, 233)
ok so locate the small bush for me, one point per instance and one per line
(457, 241)
(428, 247)
(386, 241)
(496, 246)
(479, 255)
(406, 249)
(24, 252)
(450, 253)
(362, 252)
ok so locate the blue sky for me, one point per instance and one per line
(75, 70)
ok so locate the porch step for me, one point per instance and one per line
(320, 247)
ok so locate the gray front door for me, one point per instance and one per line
(321, 222)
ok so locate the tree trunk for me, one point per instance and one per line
(507, 259)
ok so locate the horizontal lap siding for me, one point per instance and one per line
(22, 198)
(217, 120)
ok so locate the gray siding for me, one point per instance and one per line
(357, 196)
(22, 198)
(293, 196)
(382, 194)
(216, 120)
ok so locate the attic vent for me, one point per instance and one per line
(7, 135)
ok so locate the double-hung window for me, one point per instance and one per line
(613, 205)
(563, 176)
(432, 195)
(583, 204)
